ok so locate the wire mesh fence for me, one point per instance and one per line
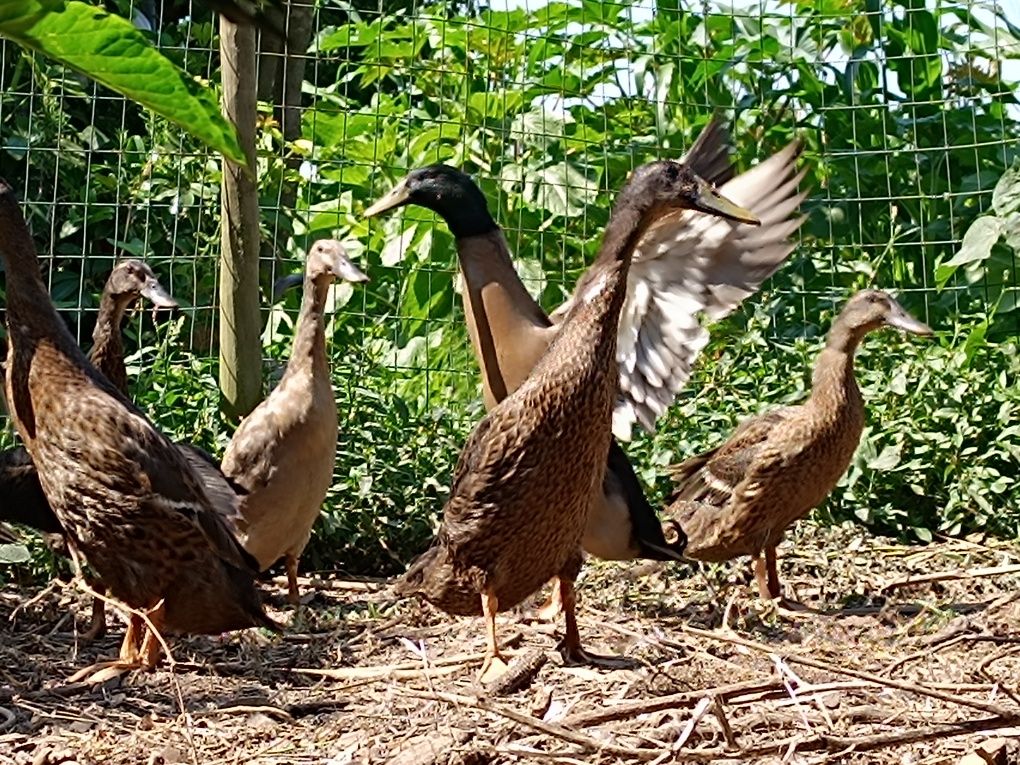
(908, 113)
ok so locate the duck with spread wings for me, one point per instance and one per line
(685, 266)
(528, 475)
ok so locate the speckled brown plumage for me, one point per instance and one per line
(21, 496)
(739, 498)
(526, 478)
(126, 496)
(282, 454)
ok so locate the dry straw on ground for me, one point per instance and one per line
(913, 657)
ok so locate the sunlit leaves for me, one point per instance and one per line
(110, 50)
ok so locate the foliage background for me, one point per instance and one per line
(908, 117)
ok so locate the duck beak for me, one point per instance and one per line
(153, 292)
(343, 268)
(708, 200)
(902, 320)
(397, 196)
(285, 283)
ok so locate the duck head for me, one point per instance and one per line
(132, 279)
(327, 260)
(869, 310)
(664, 186)
(446, 191)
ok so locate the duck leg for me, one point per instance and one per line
(760, 566)
(769, 589)
(293, 594)
(494, 665)
(131, 656)
(572, 649)
(552, 607)
(772, 574)
(97, 624)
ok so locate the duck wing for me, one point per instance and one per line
(713, 477)
(224, 494)
(247, 463)
(688, 265)
(175, 489)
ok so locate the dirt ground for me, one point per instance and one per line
(884, 670)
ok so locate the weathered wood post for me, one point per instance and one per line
(240, 321)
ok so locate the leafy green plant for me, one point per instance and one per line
(113, 52)
(907, 124)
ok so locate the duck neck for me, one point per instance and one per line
(604, 285)
(833, 383)
(308, 353)
(107, 341)
(30, 313)
(506, 326)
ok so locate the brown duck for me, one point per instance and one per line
(739, 498)
(526, 478)
(128, 498)
(282, 454)
(684, 265)
(21, 497)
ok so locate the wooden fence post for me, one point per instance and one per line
(240, 319)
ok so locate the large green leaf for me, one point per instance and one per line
(111, 51)
(976, 247)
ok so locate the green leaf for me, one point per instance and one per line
(976, 246)
(111, 51)
(1006, 196)
(565, 190)
(14, 553)
(888, 459)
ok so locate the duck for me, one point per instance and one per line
(130, 281)
(684, 266)
(740, 497)
(127, 498)
(21, 496)
(282, 454)
(530, 470)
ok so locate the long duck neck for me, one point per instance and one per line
(833, 383)
(308, 354)
(107, 353)
(30, 312)
(595, 317)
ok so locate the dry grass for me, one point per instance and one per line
(884, 672)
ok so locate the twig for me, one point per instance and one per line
(787, 675)
(929, 651)
(243, 709)
(940, 576)
(994, 709)
(403, 670)
(550, 729)
(307, 582)
(688, 730)
(984, 665)
(521, 672)
(829, 743)
(724, 723)
(628, 709)
(41, 595)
